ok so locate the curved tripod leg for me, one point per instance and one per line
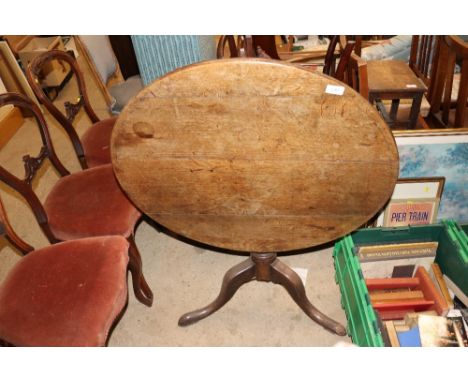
(141, 289)
(282, 274)
(234, 278)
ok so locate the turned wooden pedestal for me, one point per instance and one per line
(256, 156)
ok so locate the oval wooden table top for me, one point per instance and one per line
(254, 155)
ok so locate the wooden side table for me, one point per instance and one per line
(256, 156)
(394, 80)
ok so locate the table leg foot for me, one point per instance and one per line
(264, 267)
(233, 280)
(285, 276)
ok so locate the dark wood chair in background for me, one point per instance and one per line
(230, 42)
(423, 63)
(84, 204)
(424, 59)
(264, 46)
(357, 39)
(66, 294)
(450, 89)
(93, 149)
(398, 91)
(356, 75)
(247, 46)
(330, 68)
(267, 43)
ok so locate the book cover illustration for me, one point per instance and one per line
(438, 331)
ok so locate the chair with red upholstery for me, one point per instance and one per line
(80, 205)
(66, 294)
(93, 149)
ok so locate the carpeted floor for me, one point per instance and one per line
(183, 277)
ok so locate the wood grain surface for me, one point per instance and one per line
(254, 155)
(392, 76)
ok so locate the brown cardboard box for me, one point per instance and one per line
(54, 72)
(17, 42)
(10, 121)
(13, 77)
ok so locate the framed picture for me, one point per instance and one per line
(414, 201)
(432, 152)
(403, 212)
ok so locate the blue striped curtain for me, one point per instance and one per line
(158, 55)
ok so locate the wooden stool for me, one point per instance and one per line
(394, 80)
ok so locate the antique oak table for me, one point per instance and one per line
(255, 156)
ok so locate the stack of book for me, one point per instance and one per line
(410, 296)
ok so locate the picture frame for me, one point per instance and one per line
(403, 212)
(414, 201)
(438, 152)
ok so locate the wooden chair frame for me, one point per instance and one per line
(33, 73)
(231, 42)
(452, 50)
(356, 75)
(251, 45)
(24, 187)
(329, 67)
(264, 47)
(424, 57)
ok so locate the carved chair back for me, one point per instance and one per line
(453, 50)
(32, 163)
(34, 73)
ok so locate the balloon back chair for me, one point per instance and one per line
(84, 204)
(93, 149)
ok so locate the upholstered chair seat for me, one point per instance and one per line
(96, 142)
(66, 294)
(83, 204)
(90, 203)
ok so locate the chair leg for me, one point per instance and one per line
(141, 289)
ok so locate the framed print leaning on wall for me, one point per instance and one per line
(414, 201)
(438, 153)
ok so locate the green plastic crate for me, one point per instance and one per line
(362, 322)
(455, 265)
(464, 227)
